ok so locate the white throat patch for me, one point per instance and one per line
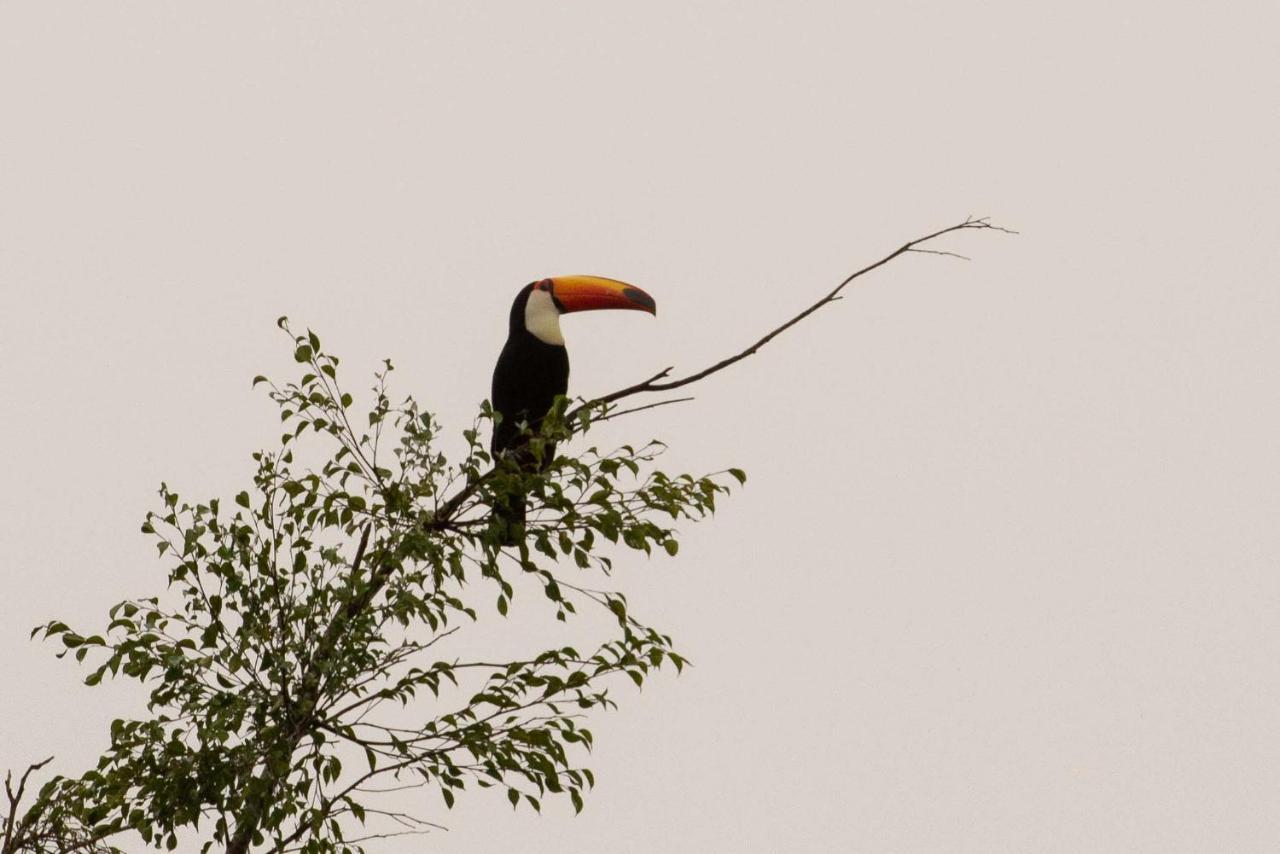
(542, 318)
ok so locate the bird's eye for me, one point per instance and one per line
(544, 285)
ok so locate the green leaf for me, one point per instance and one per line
(302, 354)
(739, 475)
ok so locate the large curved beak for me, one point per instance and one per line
(587, 293)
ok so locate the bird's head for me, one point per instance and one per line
(538, 306)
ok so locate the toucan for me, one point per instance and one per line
(533, 367)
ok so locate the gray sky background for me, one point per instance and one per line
(1004, 578)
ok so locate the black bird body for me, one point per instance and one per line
(529, 375)
(533, 369)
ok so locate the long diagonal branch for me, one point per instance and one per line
(659, 382)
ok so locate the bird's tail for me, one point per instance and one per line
(508, 516)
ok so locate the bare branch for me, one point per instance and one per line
(655, 383)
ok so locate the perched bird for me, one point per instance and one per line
(533, 367)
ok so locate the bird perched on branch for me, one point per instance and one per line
(533, 367)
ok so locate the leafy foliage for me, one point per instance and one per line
(48, 826)
(296, 664)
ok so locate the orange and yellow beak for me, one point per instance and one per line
(588, 293)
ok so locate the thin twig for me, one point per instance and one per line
(622, 412)
(940, 252)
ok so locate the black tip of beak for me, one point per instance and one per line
(641, 299)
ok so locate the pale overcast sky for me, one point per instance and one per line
(1005, 576)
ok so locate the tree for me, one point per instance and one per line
(306, 621)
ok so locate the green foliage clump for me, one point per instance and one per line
(296, 663)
